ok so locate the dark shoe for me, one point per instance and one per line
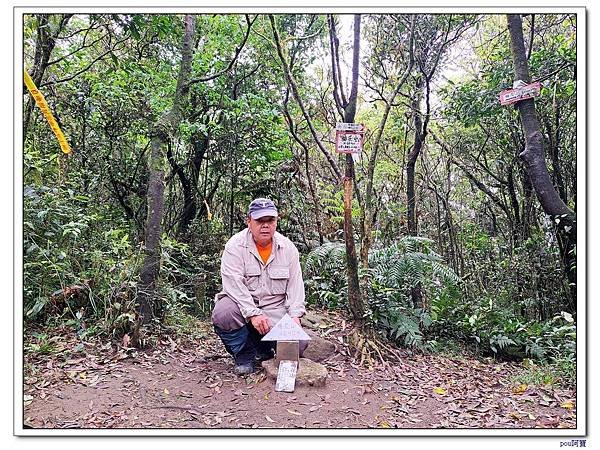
(264, 349)
(264, 355)
(244, 359)
(243, 369)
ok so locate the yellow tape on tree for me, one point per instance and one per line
(41, 102)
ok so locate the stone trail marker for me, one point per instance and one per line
(286, 376)
(287, 333)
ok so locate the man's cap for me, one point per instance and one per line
(261, 207)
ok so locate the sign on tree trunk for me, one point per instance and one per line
(520, 93)
(349, 137)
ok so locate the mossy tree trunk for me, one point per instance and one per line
(163, 132)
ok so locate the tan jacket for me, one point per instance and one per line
(273, 288)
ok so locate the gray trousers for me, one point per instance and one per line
(227, 317)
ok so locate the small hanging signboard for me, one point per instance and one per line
(515, 95)
(349, 137)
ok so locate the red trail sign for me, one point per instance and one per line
(521, 93)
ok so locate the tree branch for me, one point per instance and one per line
(85, 69)
(292, 83)
(233, 60)
(338, 91)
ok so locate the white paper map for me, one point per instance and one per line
(286, 330)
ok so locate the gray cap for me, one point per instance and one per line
(261, 207)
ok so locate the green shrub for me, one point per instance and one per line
(393, 272)
(325, 276)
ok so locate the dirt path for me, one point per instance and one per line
(191, 385)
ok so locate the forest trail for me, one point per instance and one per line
(187, 385)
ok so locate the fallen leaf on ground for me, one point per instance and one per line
(269, 419)
(519, 389)
(291, 411)
(440, 391)
(567, 405)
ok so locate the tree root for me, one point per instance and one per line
(368, 348)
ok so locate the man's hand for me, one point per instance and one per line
(261, 323)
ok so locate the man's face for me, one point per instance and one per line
(263, 229)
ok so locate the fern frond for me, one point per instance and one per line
(444, 272)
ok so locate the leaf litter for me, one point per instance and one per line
(191, 385)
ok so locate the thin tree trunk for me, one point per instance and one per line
(516, 223)
(162, 135)
(189, 199)
(355, 301)
(294, 88)
(311, 188)
(313, 196)
(349, 109)
(554, 148)
(534, 158)
(411, 163)
(368, 213)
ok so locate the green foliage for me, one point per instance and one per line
(54, 226)
(179, 314)
(537, 375)
(42, 344)
(75, 267)
(393, 272)
(555, 344)
(496, 329)
(326, 283)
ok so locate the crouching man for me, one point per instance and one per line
(262, 280)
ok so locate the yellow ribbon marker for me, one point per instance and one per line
(41, 102)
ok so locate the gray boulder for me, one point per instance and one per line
(310, 373)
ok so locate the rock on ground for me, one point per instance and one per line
(318, 348)
(313, 320)
(310, 373)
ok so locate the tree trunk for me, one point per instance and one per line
(162, 135)
(311, 187)
(355, 301)
(412, 162)
(368, 210)
(535, 162)
(349, 108)
(313, 196)
(189, 200)
(294, 88)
